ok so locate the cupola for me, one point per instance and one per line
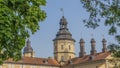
(28, 50)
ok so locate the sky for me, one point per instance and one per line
(42, 40)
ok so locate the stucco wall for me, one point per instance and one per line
(12, 65)
(64, 48)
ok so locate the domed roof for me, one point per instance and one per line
(82, 40)
(28, 48)
(93, 40)
(104, 40)
(63, 32)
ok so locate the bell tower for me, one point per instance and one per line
(64, 48)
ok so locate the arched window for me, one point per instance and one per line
(69, 47)
(62, 47)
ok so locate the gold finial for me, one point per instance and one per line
(62, 11)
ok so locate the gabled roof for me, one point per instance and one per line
(90, 58)
(35, 61)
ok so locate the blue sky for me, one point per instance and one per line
(42, 42)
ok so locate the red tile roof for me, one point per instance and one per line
(90, 58)
(53, 62)
(36, 61)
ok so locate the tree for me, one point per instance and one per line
(115, 49)
(18, 18)
(107, 10)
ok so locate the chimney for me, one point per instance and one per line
(82, 48)
(93, 51)
(104, 49)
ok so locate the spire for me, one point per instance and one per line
(104, 49)
(93, 51)
(82, 48)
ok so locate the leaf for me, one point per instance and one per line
(18, 18)
(112, 30)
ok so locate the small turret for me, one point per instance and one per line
(93, 51)
(104, 49)
(82, 48)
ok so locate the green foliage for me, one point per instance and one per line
(115, 49)
(18, 18)
(103, 9)
(106, 10)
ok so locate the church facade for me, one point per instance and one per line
(64, 54)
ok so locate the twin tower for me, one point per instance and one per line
(64, 48)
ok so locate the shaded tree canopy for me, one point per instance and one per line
(18, 18)
(109, 10)
(106, 10)
(114, 49)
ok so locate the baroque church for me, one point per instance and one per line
(64, 54)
